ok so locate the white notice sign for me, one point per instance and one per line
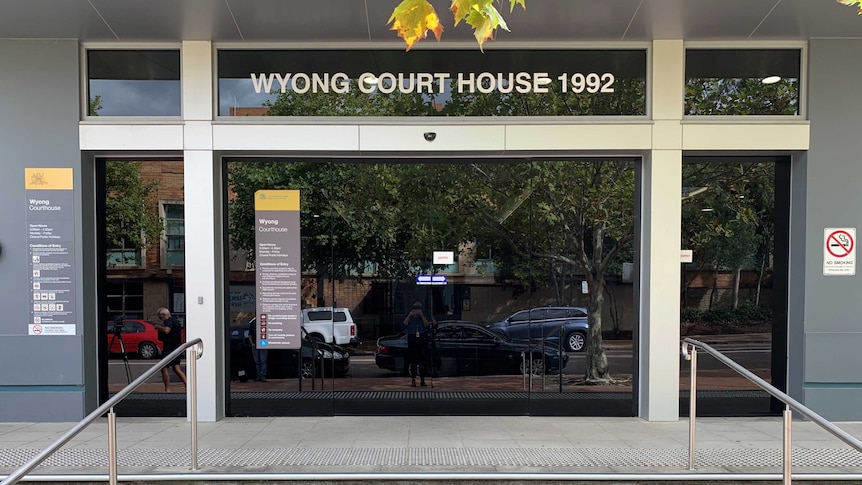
(444, 257)
(839, 251)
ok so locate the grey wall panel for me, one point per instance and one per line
(834, 170)
(835, 404)
(39, 113)
(52, 361)
(836, 355)
(47, 406)
(796, 277)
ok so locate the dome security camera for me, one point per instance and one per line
(430, 136)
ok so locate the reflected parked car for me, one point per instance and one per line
(547, 323)
(467, 348)
(140, 338)
(317, 358)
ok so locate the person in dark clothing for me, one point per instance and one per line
(258, 355)
(171, 336)
(417, 343)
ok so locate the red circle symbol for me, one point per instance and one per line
(839, 244)
(37, 329)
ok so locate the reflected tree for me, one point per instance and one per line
(741, 96)
(561, 215)
(730, 224)
(352, 103)
(353, 215)
(132, 221)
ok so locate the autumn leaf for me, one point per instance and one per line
(412, 19)
(858, 3)
(482, 16)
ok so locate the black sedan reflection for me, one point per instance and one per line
(466, 348)
(317, 358)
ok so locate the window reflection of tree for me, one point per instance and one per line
(475, 335)
(449, 333)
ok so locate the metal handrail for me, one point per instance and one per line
(191, 390)
(689, 351)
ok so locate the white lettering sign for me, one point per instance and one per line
(433, 82)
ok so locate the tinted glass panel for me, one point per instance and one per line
(731, 291)
(174, 211)
(520, 317)
(458, 336)
(432, 83)
(557, 313)
(316, 316)
(176, 258)
(124, 257)
(134, 82)
(742, 81)
(134, 302)
(538, 314)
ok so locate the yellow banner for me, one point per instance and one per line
(48, 178)
(276, 200)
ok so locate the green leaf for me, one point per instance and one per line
(512, 4)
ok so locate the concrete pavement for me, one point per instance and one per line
(423, 448)
(504, 446)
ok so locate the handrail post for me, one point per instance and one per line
(788, 451)
(689, 351)
(112, 447)
(106, 407)
(192, 397)
(692, 407)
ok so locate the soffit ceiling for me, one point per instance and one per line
(318, 21)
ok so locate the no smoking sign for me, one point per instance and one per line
(839, 251)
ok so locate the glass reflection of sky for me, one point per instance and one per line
(137, 97)
(239, 93)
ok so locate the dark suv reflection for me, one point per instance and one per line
(548, 323)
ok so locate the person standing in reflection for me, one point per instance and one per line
(416, 326)
(258, 354)
(171, 336)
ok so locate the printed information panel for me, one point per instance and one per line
(277, 268)
(51, 250)
(839, 251)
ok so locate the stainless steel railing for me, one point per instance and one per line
(689, 351)
(194, 350)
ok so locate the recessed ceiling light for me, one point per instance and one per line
(770, 79)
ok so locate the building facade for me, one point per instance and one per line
(55, 141)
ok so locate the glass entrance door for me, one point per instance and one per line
(446, 286)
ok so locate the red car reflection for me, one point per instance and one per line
(139, 337)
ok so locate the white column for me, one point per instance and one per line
(660, 265)
(203, 255)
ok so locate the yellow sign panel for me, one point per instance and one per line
(276, 200)
(48, 178)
